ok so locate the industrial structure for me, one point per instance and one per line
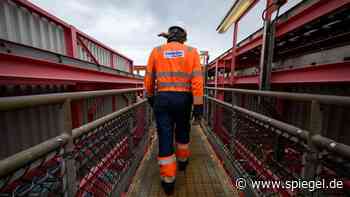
(74, 121)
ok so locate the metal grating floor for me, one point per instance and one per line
(204, 176)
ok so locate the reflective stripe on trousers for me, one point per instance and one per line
(182, 152)
(166, 160)
(167, 168)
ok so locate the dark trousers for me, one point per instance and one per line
(172, 111)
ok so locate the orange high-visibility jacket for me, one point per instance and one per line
(175, 67)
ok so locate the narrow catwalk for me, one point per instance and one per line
(204, 176)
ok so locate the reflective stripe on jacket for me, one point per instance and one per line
(175, 67)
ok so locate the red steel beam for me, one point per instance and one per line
(327, 73)
(311, 13)
(254, 42)
(70, 36)
(11, 81)
(247, 80)
(304, 16)
(220, 66)
(307, 15)
(19, 68)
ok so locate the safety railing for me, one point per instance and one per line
(258, 139)
(98, 158)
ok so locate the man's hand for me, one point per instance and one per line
(197, 112)
(150, 100)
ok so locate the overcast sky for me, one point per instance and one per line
(131, 26)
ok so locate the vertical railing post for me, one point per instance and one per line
(131, 132)
(111, 59)
(233, 60)
(311, 162)
(219, 113)
(69, 149)
(212, 114)
(207, 108)
(146, 125)
(233, 123)
(279, 145)
(114, 103)
(71, 42)
(205, 92)
(77, 113)
(147, 117)
(267, 49)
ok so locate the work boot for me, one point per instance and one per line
(168, 187)
(182, 165)
(167, 173)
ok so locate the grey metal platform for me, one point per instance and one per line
(204, 176)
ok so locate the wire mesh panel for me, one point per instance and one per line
(105, 155)
(95, 159)
(44, 176)
(266, 152)
(258, 145)
(102, 155)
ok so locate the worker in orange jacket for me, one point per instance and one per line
(174, 82)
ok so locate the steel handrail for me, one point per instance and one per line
(17, 102)
(18, 160)
(291, 129)
(320, 141)
(94, 124)
(331, 145)
(325, 99)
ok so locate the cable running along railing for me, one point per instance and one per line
(98, 158)
(258, 138)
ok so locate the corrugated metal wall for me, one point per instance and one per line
(21, 129)
(121, 63)
(102, 55)
(20, 25)
(17, 24)
(24, 128)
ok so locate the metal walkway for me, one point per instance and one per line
(204, 175)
